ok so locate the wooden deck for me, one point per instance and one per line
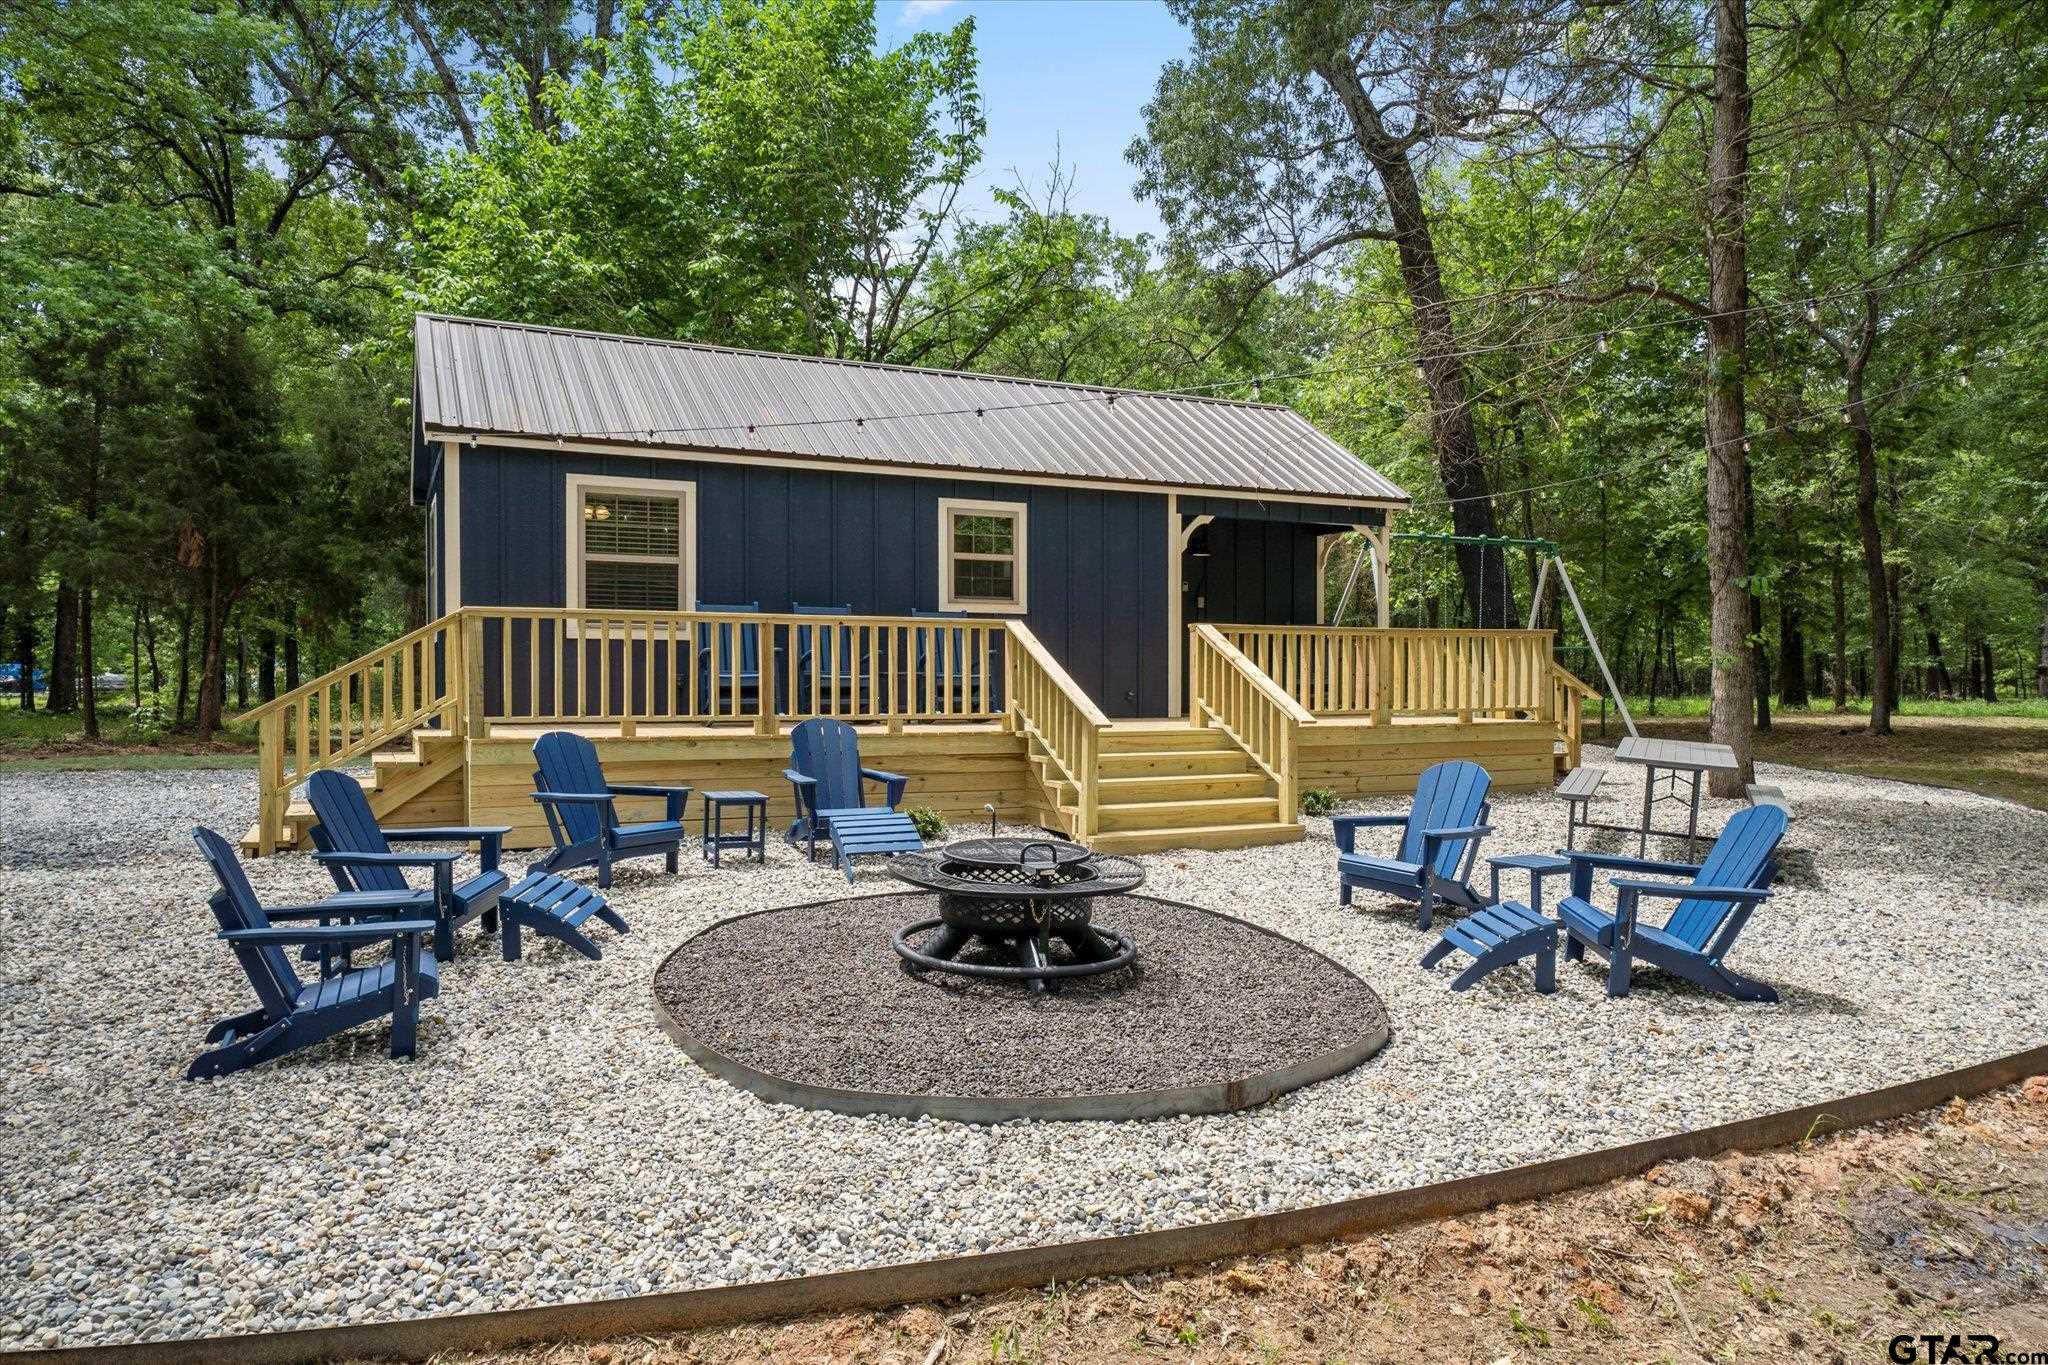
(984, 717)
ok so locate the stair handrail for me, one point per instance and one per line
(405, 675)
(1227, 690)
(1567, 690)
(1047, 704)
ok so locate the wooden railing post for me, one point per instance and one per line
(766, 722)
(274, 797)
(470, 722)
(1383, 679)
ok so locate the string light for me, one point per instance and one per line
(1602, 341)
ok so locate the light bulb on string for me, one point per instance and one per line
(1601, 343)
(1812, 311)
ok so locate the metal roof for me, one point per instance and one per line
(474, 377)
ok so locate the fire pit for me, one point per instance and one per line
(1016, 897)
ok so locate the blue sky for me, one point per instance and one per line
(1058, 77)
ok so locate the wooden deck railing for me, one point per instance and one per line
(353, 710)
(1568, 692)
(1355, 671)
(482, 666)
(1049, 706)
(548, 665)
(1227, 691)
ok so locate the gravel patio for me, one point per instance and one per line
(551, 1143)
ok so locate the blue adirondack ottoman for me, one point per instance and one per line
(292, 1014)
(1440, 838)
(582, 817)
(1713, 906)
(826, 777)
(357, 852)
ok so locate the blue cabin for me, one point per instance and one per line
(1099, 610)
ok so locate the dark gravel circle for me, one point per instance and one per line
(816, 995)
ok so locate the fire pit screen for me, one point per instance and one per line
(1017, 897)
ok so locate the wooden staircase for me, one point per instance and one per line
(1161, 786)
(417, 783)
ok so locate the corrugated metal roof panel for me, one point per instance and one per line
(509, 379)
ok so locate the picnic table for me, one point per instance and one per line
(1673, 762)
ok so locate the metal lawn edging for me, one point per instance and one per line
(890, 1286)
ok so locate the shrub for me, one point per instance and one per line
(149, 722)
(930, 824)
(1318, 801)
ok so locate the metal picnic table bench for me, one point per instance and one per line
(1675, 762)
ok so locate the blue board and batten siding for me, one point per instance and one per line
(1095, 562)
(1096, 559)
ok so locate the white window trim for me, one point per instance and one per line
(1018, 512)
(577, 486)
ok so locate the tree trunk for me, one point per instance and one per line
(63, 698)
(1791, 655)
(135, 656)
(241, 669)
(291, 653)
(156, 668)
(1452, 432)
(266, 665)
(1990, 692)
(213, 656)
(1656, 659)
(1726, 415)
(25, 658)
(88, 695)
(1839, 587)
(2041, 659)
(184, 660)
(1760, 660)
(1895, 629)
(1939, 683)
(1876, 581)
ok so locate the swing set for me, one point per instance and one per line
(1443, 600)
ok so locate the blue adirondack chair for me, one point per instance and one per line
(291, 1013)
(962, 666)
(829, 652)
(739, 658)
(1440, 837)
(582, 818)
(358, 855)
(1713, 906)
(827, 779)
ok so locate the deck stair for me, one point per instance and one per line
(421, 776)
(1166, 785)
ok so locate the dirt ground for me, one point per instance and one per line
(1934, 1224)
(2003, 756)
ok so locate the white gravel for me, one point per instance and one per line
(552, 1144)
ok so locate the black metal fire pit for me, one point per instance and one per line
(1017, 896)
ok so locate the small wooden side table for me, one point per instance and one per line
(752, 838)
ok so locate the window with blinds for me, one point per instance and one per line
(632, 551)
(981, 548)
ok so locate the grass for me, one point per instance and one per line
(1997, 751)
(32, 741)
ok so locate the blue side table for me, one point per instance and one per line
(752, 838)
(1537, 865)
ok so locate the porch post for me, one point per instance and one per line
(1174, 628)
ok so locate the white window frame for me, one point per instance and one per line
(1020, 553)
(576, 487)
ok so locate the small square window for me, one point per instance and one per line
(981, 558)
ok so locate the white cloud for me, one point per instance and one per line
(917, 11)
